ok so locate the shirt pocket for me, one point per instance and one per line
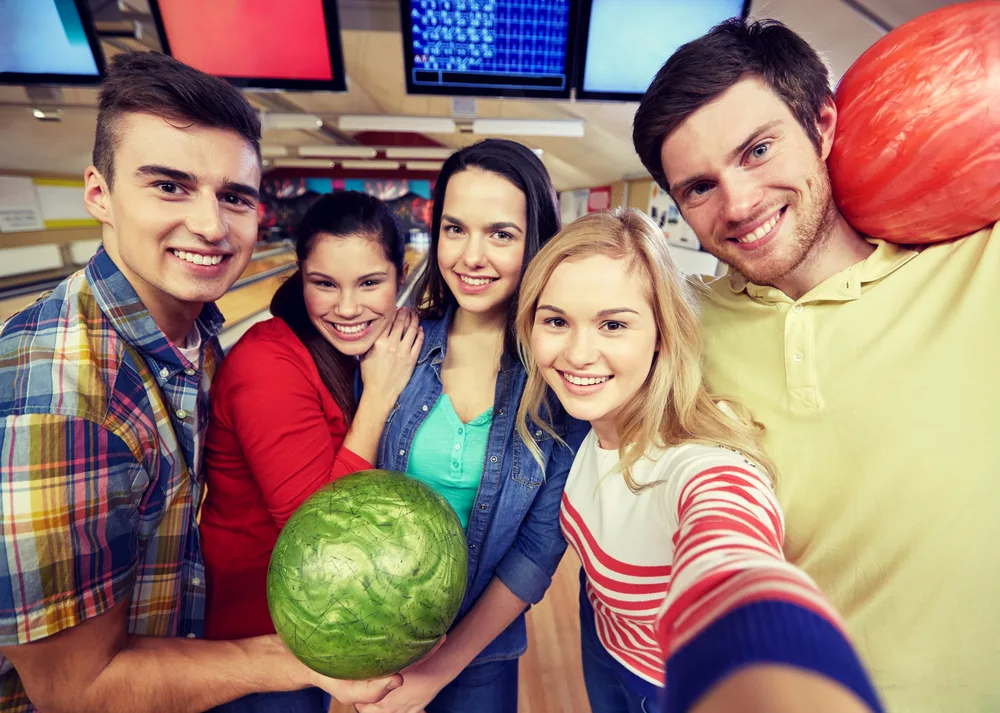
(525, 470)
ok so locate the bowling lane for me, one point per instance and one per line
(267, 262)
(238, 305)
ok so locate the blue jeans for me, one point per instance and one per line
(308, 700)
(606, 689)
(484, 688)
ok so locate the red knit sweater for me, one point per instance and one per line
(275, 436)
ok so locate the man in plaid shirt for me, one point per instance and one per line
(104, 402)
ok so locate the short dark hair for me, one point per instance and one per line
(519, 165)
(701, 70)
(340, 215)
(153, 83)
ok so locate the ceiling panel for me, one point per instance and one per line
(896, 12)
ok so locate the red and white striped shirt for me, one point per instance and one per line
(677, 556)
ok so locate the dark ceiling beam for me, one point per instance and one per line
(865, 12)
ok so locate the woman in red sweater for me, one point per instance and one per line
(284, 420)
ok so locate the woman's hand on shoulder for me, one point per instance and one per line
(386, 367)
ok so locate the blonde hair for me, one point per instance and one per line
(673, 407)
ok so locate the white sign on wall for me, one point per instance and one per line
(573, 204)
(19, 206)
(684, 246)
(665, 213)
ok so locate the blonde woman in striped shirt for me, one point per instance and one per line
(687, 602)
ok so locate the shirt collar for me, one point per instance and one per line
(129, 316)
(845, 285)
(435, 336)
(436, 341)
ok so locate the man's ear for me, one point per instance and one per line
(97, 195)
(827, 126)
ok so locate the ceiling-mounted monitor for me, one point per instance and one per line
(489, 48)
(265, 44)
(48, 42)
(625, 42)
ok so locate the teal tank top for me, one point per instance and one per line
(449, 455)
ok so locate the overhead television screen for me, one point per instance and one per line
(625, 42)
(268, 44)
(492, 48)
(48, 42)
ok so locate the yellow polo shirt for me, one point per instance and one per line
(880, 392)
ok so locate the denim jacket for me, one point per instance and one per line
(514, 530)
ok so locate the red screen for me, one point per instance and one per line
(267, 39)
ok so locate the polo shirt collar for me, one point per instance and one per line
(842, 287)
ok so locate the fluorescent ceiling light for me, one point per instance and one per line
(424, 165)
(371, 164)
(290, 121)
(529, 127)
(419, 152)
(408, 124)
(338, 151)
(47, 114)
(272, 150)
(302, 163)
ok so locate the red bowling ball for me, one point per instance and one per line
(916, 154)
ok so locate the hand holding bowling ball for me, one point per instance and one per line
(367, 575)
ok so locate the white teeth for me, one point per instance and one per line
(761, 231)
(476, 281)
(585, 381)
(198, 259)
(351, 328)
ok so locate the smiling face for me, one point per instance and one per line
(594, 339)
(751, 184)
(481, 244)
(349, 287)
(181, 219)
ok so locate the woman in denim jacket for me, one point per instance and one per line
(454, 425)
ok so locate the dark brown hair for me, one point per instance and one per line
(519, 165)
(340, 215)
(701, 70)
(153, 83)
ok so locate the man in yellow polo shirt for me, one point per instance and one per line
(873, 367)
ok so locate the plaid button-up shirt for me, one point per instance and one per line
(98, 497)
